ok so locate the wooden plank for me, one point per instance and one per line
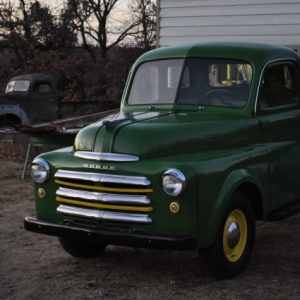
(257, 30)
(222, 10)
(275, 40)
(203, 3)
(233, 20)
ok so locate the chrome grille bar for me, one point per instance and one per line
(100, 156)
(103, 197)
(98, 177)
(105, 215)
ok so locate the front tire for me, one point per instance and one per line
(231, 250)
(81, 249)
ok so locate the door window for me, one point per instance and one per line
(277, 88)
(42, 88)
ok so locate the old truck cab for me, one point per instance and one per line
(206, 142)
(29, 98)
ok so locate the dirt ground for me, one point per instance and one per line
(34, 266)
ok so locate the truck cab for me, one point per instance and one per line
(28, 99)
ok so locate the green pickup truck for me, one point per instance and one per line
(206, 142)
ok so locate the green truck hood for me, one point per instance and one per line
(159, 134)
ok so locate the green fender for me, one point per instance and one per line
(209, 224)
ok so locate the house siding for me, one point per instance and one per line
(266, 21)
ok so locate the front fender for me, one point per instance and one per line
(219, 176)
(208, 230)
(14, 111)
(235, 180)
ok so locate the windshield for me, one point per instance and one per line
(194, 81)
(17, 86)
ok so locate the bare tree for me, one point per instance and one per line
(40, 34)
(11, 28)
(92, 18)
(144, 12)
(26, 26)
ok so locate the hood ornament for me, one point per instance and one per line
(110, 123)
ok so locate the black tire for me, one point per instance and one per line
(81, 249)
(227, 258)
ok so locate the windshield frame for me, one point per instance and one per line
(231, 86)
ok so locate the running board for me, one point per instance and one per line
(285, 212)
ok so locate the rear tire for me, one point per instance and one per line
(81, 249)
(231, 250)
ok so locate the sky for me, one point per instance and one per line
(120, 13)
(120, 10)
(121, 5)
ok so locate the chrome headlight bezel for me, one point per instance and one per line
(173, 182)
(40, 170)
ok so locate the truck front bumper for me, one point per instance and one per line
(111, 237)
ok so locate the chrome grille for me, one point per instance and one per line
(105, 215)
(96, 177)
(105, 156)
(104, 196)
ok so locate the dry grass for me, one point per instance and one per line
(35, 267)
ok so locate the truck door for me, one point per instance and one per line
(279, 117)
(43, 102)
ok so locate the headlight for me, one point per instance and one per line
(173, 182)
(40, 170)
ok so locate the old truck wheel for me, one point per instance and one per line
(81, 249)
(231, 250)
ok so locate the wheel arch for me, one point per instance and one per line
(10, 119)
(13, 114)
(254, 194)
(242, 181)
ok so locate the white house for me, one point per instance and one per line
(263, 21)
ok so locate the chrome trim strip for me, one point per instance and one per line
(98, 177)
(104, 215)
(103, 197)
(105, 156)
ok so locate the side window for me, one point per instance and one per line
(277, 87)
(42, 88)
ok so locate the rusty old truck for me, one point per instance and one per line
(33, 98)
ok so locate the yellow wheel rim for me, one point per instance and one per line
(235, 235)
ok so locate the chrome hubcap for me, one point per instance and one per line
(233, 235)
